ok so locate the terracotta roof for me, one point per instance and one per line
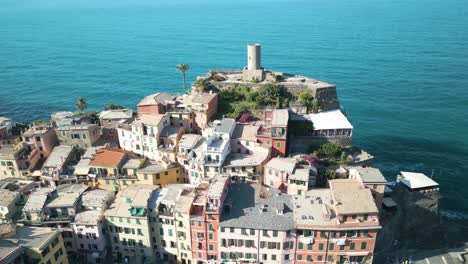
(108, 157)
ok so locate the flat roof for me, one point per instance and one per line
(34, 237)
(216, 188)
(414, 180)
(172, 194)
(280, 117)
(58, 157)
(333, 119)
(225, 125)
(370, 174)
(90, 217)
(189, 140)
(77, 127)
(241, 159)
(199, 98)
(184, 203)
(282, 164)
(37, 199)
(152, 166)
(352, 198)
(311, 208)
(248, 210)
(7, 197)
(97, 198)
(67, 195)
(245, 132)
(301, 174)
(138, 193)
(116, 114)
(149, 119)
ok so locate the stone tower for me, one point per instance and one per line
(254, 57)
(253, 71)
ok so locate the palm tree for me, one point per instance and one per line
(81, 104)
(183, 68)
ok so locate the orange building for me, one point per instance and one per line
(204, 219)
(336, 225)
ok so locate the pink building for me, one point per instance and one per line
(257, 225)
(277, 171)
(39, 141)
(88, 227)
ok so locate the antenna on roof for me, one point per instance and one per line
(432, 173)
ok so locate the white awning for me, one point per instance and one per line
(360, 253)
(340, 241)
(307, 240)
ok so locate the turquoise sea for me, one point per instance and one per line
(400, 66)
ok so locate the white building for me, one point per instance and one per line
(142, 135)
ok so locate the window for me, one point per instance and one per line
(374, 186)
(309, 246)
(344, 218)
(354, 216)
(286, 257)
(210, 247)
(300, 245)
(265, 233)
(309, 258)
(244, 231)
(273, 257)
(331, 246)
(170, 232)
(145, 176)
(268, 142)
(363, 245)
(210, 227)
(232, 229)
(342, 247)
(278, 145)
(275, 233)
(288, 233)
(352, 246)
(252, 232)
(210, 236)
(319, 258)
(365, 233)
(323, 234)
(161, 231)
(365, 217)
(129, 221)
(299, 257)
(330, 258)
(321, 246)
(158, 176)
(222, 229)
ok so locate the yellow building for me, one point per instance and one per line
(116, 183)
(42, 245)
(13, 162)
(159, 173)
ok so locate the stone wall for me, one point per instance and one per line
(326, 96)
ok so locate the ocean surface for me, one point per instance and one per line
(401, 67)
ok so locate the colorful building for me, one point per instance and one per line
(273, 133)
(128, 224)
(257, 226)
(336, 225)
(41, 245)
(159, 173)
(82, 135)
(40, 141)
(142, 136)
